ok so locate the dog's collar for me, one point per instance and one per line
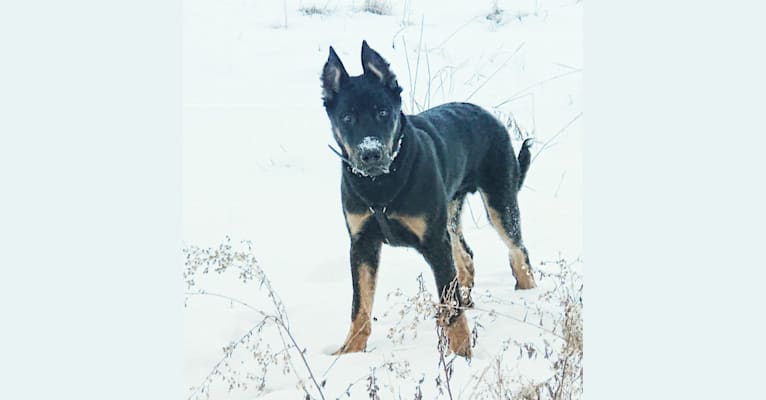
(379, 212)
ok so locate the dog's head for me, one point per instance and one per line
(364, 111)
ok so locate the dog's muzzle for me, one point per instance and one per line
(373, 159)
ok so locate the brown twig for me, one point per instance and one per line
(442, 362)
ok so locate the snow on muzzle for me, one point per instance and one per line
(372, 157)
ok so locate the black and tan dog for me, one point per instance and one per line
(404, 181)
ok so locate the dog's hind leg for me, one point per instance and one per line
(499, 183)
(503, 213)
(365, 255)
(461, 253)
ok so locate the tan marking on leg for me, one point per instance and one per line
(521, 270)
(497, 223)
(465, 271)
(456, 331)
(453, 223)
(356, 222)
(375, 71)
(416, 225)
(463, 260)
(361, 325)
(459, 336)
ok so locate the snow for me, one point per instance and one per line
(256, 167)
(369, 143)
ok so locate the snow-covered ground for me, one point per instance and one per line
(257, 167)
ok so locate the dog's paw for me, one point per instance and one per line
(339, 351)
(463, 350)
(528, 283)
(459, 337)
(353, 344)
(524, 278)
(345, 350)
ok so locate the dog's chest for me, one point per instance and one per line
(399, 229)
(395, 229)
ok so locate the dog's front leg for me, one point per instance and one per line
(365, 254)
(451, 318)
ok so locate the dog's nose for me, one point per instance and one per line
(371, 155)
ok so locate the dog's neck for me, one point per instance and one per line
(381, 190)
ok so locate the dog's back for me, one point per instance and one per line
(470, 143)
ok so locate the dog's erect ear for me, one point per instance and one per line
(374, 65)
(333, 76)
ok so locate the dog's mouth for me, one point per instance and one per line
(371, 170)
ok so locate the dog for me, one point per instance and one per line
(404, 181)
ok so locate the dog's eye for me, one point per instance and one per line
(347, 119)
(382, 114)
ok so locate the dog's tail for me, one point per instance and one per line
(524, 158)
